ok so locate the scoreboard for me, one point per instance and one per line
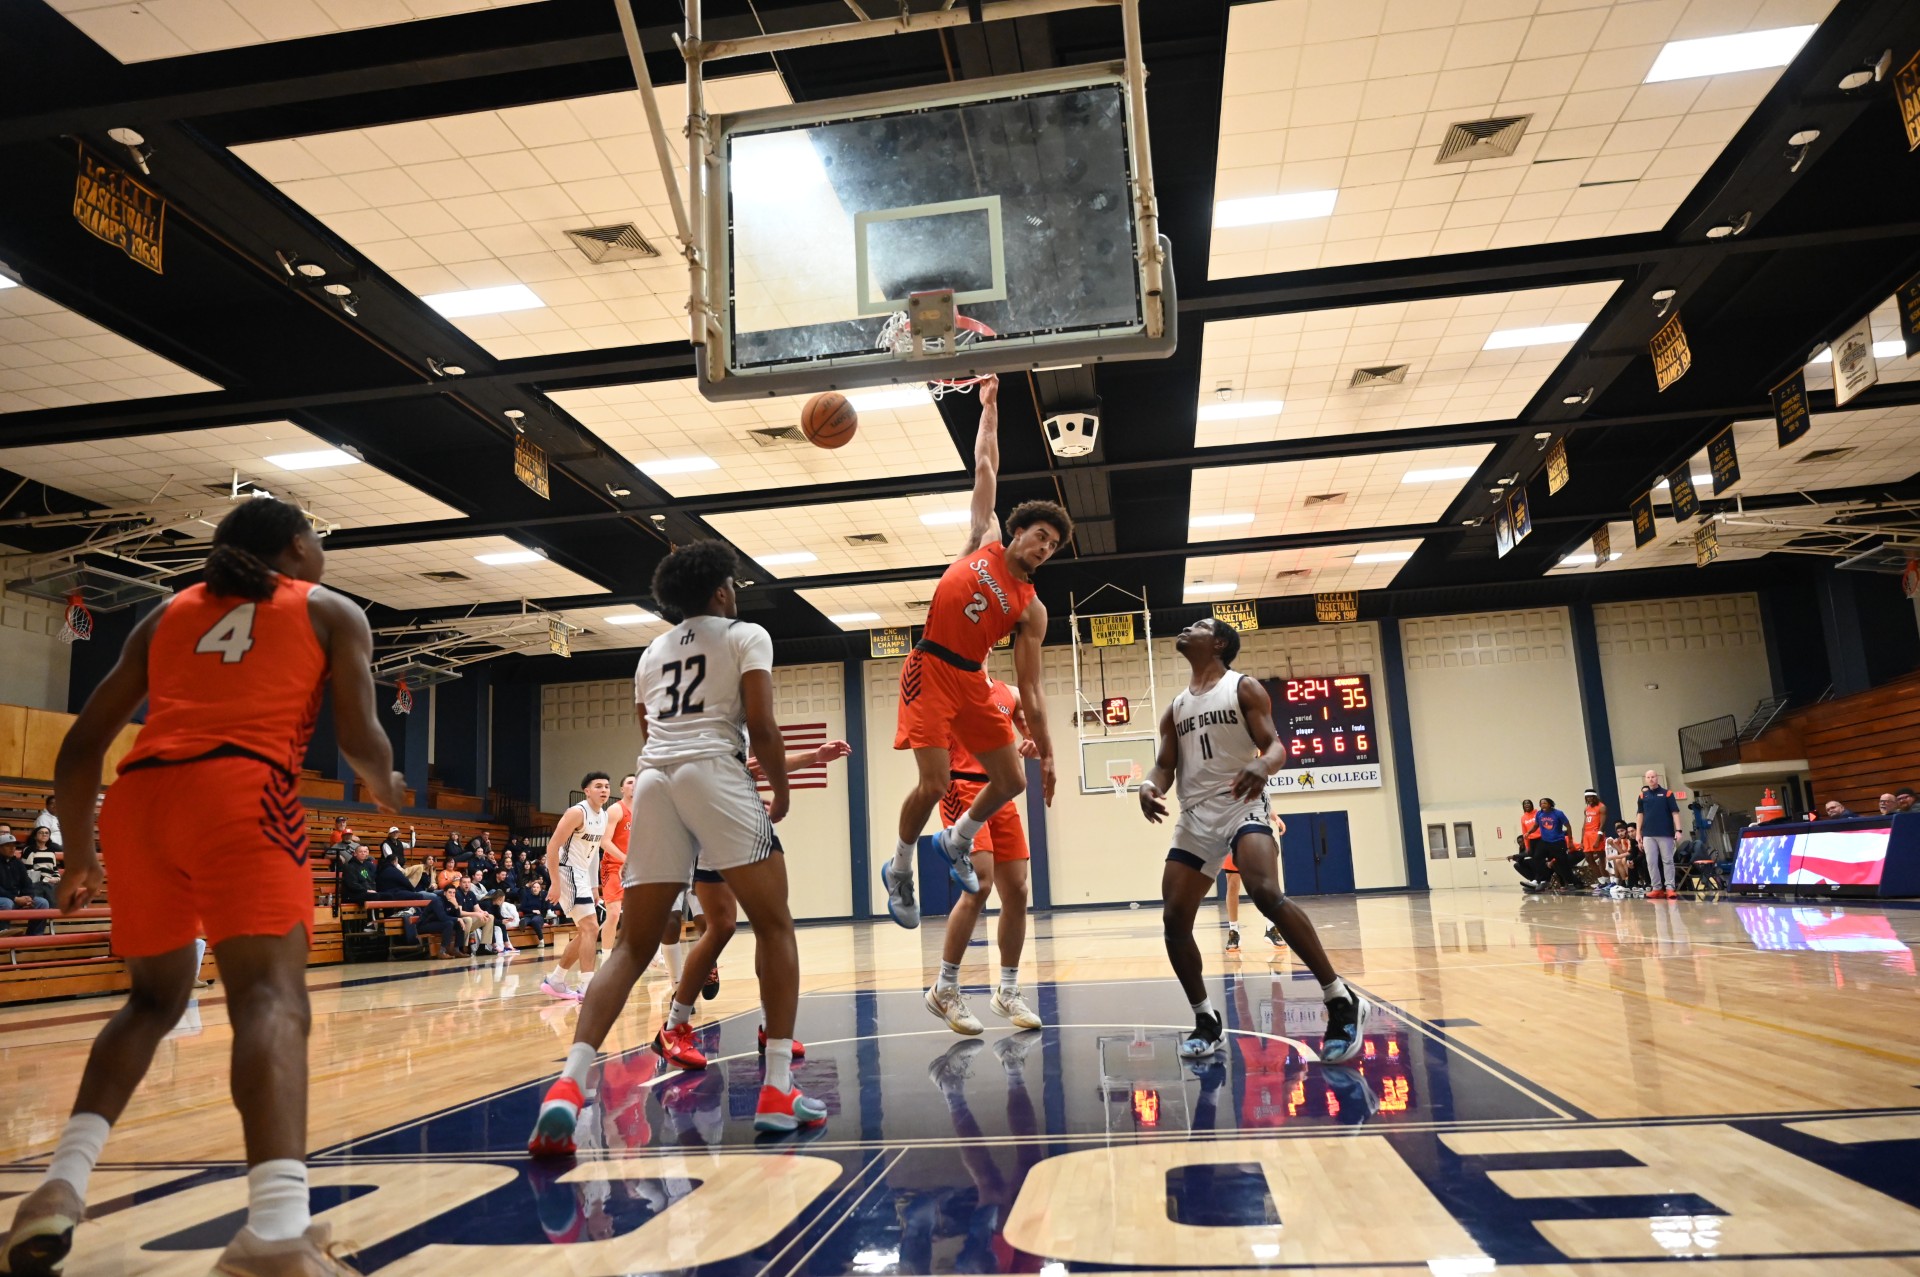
(1325, 721)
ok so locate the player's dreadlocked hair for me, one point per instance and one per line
(246, 543)
(687, 578)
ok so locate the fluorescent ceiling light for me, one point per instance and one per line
(854, 618)
(312, 460)
(1578, 560)
(1551, 335)
(1237, 411)
(1219, 587)
(1218, 520)
(509, 558)
(1384, 556)
(773, 165)
(1725, 54)
(891, 397)
(1895, 349)
(782, 560)
(942, 518)
(1261, 209)
(678, 465)
(484, 301)
(6, 283)
(1699, 481)
(1438, 476)
(641, 617)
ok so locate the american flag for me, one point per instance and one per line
(803, 736)
(1843, 858)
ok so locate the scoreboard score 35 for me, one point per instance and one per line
(1325, 721)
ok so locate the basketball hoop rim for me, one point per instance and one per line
(979, 330)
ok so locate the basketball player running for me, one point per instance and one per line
(696, 687)
(1218, 735)
(205, 830)
(1001, 863)
(613, 857)
(573, 864)
(985, 595)
(675, 1041)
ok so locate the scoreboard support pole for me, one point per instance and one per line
(1406, 777)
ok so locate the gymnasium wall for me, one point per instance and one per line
(34, 664)
(590, 727)
(1708, 657)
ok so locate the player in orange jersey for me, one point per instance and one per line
(984, 596)
(1001, 863)
(207, 836)
(613, 858)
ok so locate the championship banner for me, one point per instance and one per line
(1671, 355)
(1724, 460)
(894, 640)
(1907, 302)
(1006, 641)
(1557, 472)
(1906, 88)
(1330, 609)
(559, 642)
(1854, 368)
(530, 464)
(1790, 416)
(1112, 631)
(1686, 502)
(1642, 512)
(1602, 545)
(111, 206)
(1240, 614)
(1520, 516)
(1706, 545)
(1503, 530)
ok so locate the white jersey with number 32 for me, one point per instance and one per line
(689, 683)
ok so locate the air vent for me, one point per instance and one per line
(1825, 454)
(1326, 498)
(445, 578)
(1292, 574)
(603, 244)
(1385, 375)
(1616, 181)
(775, 436)
(1493, 139)
(919, 605)
(867, 538)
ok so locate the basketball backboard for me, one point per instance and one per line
(1019, 194)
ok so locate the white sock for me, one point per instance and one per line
(903, 853)
(676, 961)
(1203, 1007)
(949, 976)
(1009, 979)
(1334, 989)
(680, 1014)
(586, 978)
(579, 1060)
(80, 1146)
(277, 1208)
(558, 976)
(965, 828)
(780, 1063)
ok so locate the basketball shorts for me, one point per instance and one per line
(1003, 834)
(214, 848)
(573, 892)
(702, 813)
(941, 703)
(1207, 832)
(610, 889)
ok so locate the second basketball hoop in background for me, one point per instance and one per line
(828, 420)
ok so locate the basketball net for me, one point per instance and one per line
(77, 622)
(897, 336)
(402, 698)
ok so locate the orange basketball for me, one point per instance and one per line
(828, 420)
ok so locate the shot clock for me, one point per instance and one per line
(1325, 722)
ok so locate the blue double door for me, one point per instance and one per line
(1316, 854)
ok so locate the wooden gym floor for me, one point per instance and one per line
(1552, 1086)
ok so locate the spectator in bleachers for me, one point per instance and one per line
(534, 905)
(1834, 809)
(391, 882)
(46, 819)
(44, 858)
(1903, 799)
(1886, 804)
(479, 921)
(357, 876)
(443, 918)
(16, 887)
(395, 846)
(452, 849)
(341, 833)
(426, 873)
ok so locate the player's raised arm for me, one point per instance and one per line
(1153, 790)
(1256, 711)
(1033, 702)
(986, 469)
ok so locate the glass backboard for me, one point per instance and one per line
(1018, 194)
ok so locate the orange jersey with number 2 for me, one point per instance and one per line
(977, 603)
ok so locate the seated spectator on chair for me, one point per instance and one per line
(1886, 804)
(44, 858)
(1834, 810)
(444, 919)
(47, 820)
(1624, 858)
(1555, 833)
(534, 904)
(340, 831)
(395, 846)
(392, 883)
(1903, 799)
(357, 877)
(1532, 871)
(16, 887)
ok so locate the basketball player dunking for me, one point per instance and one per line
(207, 836)
(697, 687)
(573, 863)
(1218, 735)
(1001, 864)
(984, 596)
